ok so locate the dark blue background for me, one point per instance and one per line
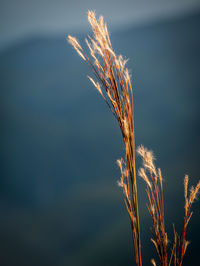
(59, 200)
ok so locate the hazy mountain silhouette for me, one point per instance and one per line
(58, 196)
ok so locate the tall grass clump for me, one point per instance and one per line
(113, 82)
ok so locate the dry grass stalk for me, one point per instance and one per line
(153, 179)
(154, 189)
(114, 85)
(181, 244)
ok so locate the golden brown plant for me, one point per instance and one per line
(114, 85)
(180, 242)
(154, 189)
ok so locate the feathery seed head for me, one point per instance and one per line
(194, 193)
(148, 159)
(153, 262)
(126, 127)
(120, 183)
(186, 186)
(120, 63)
(142, 174)
(160, 177)
(127, 75)
(90, 47)
(110, 51)
(186, 245)
(119, 162)
(123, 185)
(92, 18)
(125, 190)
(192, 196)
(73, 41)
(97, 27)
(109, 71)
(96, 84)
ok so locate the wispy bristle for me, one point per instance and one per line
(186, 245)
(160, 177)
(143, 175)
(148, 159)
(96, 84)
(73, 41)
(120, 183)
(194, 193)
(186, 186)
(153, 262)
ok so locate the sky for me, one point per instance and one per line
(22, 18)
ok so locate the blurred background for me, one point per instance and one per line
(59, 199)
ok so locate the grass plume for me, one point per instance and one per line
(154, 189)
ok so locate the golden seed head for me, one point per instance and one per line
(123, 185)
(186, 185)
(160, 177)
(153, 262)
(97, 27)
(142, 174)
(110, 51)
(194, 193)
(73, 41)
(119, 162)
(96, 84)
(92, 17)
(186, 245)
(191, 199)
(127, 75)
(126, 127)
(120, 183)
(125, 190)
(148, 159)
(120, 63)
